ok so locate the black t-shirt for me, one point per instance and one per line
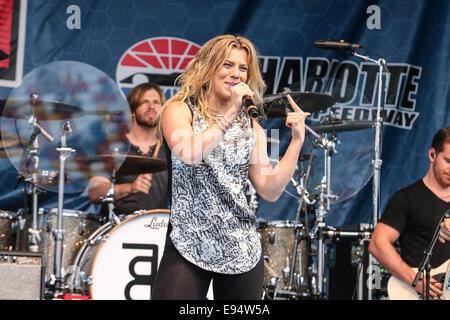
(415, 212)
(157, 198)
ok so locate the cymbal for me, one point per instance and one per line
(102, 113)
(342, 125)
(42, 110)
(106, 115)
(130, 164)
(277, 105)
(10, 141)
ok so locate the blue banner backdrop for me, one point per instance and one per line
(142, 40)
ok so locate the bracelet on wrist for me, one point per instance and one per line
(224, 123)
(227, 121)
(221, 126)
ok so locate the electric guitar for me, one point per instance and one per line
(399, 290)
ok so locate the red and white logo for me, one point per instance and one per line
(159, 60)
(13, 15)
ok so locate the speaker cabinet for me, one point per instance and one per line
(21, 275)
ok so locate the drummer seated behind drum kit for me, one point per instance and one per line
(79, 251)
(83, 256)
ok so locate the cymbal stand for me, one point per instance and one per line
(328, 145)
(33, 190)
(302, 192)
(33, 163)
(64, 153)
(377, 162)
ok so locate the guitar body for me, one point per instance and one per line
(399, 290)
(446, 285)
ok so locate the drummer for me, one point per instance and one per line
(145, 191)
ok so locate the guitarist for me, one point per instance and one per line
(411, 217)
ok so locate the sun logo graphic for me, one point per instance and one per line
(158, 60)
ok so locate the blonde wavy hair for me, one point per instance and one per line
(194, 83)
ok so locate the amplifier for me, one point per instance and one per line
(21, 275)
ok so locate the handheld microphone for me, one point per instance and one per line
(252, 111)
(335, 44)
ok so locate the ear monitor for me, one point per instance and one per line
(433, 155)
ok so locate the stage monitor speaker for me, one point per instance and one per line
(21, 275)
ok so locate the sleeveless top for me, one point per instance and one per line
(212, 223)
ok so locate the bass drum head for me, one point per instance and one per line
(125, 264)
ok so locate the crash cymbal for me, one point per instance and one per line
(106, 115)
(102, 113)
(42, 110)
(277, 105)
(138, 165)
(342, 125)
(130, 164)
(67, 90)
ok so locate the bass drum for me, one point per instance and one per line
(122, 259)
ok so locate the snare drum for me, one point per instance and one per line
(122, 260)
(277, 239)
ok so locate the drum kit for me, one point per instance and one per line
(77, 246)
(86, 257)
(61, 126)
(294, 252)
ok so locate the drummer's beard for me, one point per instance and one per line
(145, 123)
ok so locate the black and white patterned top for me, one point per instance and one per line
(213, 225)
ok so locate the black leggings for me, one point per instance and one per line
(179, 279)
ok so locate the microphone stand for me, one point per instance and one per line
(377, 162)
(426, 259)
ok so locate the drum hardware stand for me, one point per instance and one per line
(324, 207)
(33, 163)
(302, 192)
(109, 200)
(356, 254)
(64, 152)
(77, 279)
(377, 162)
